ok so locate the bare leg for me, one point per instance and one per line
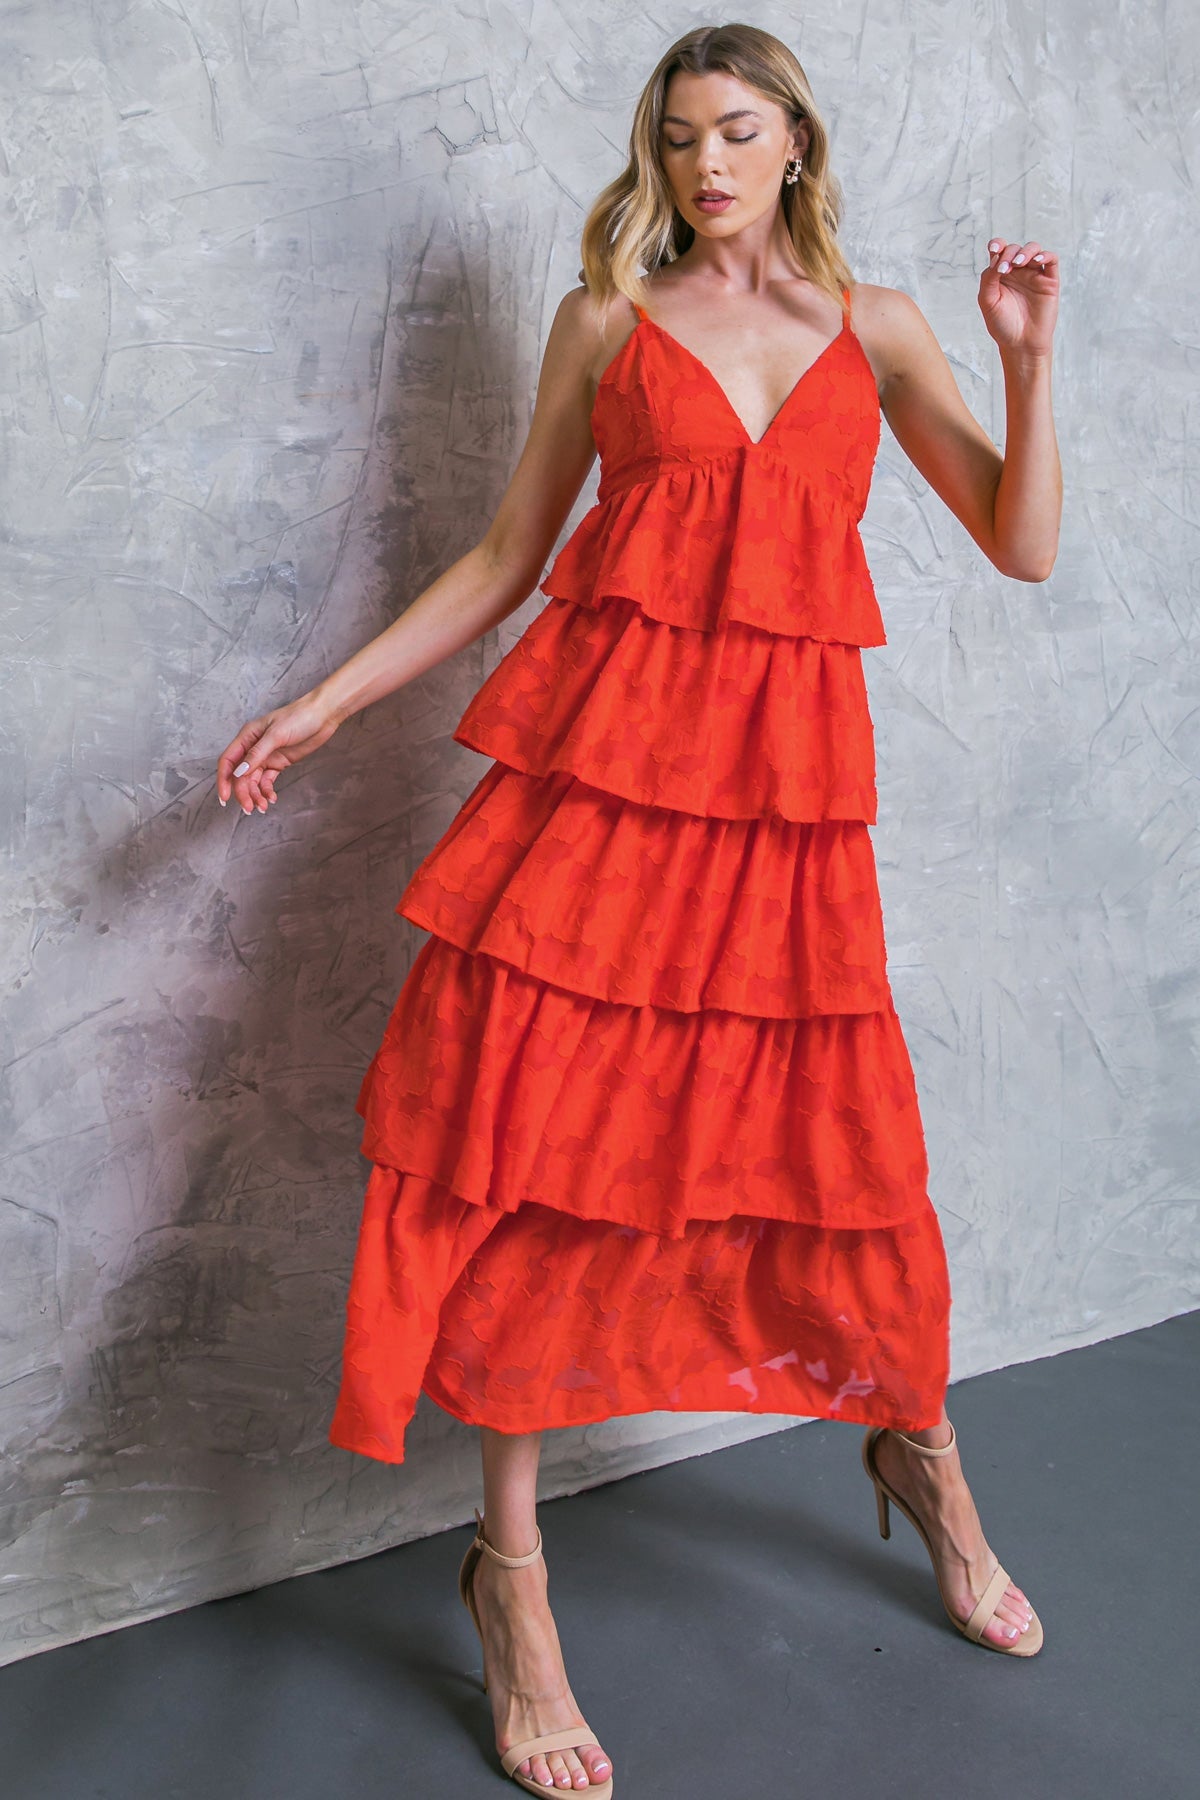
(527, 1682)
(937, 1492)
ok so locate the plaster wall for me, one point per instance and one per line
(276, 281)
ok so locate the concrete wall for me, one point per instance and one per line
(275, 284)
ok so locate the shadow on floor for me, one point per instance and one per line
(733, 1625)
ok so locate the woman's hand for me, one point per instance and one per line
(1018, 296)
(248, 765)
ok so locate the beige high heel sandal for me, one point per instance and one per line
(569, 1739)
(1028, 1643)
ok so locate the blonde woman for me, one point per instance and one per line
(643, 1125)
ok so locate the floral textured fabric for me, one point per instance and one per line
(643, 1124)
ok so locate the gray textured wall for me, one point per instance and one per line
(275, 284)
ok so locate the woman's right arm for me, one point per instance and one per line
(472, 596)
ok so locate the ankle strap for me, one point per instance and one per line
(509, 1562)
(927, 1449)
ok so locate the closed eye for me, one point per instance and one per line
(737, 140)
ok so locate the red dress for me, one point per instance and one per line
(644, 1127)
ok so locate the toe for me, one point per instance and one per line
(596, 1763)
(558, 1768)
(577, 1775)
(1016, 1606)
(572, 1768)
(538, 1770)
(1007, 1624)
(1001, 1631)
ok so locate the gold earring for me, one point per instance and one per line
(793, 174)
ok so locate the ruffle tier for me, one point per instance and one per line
(505, 1089)
(738, 539)
(736, 724)
(643, 1123)
(531, 1320)
(627, 902)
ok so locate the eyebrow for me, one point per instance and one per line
(744, 112)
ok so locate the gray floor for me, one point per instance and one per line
(734, 1626)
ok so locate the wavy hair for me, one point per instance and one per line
(634, 224)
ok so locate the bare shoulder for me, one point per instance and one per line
(584, 336)
(898, 339)
(578, 310)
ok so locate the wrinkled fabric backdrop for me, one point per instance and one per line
(276, 282)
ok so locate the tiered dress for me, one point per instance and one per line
(643, 1124)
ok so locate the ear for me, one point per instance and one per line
(800, 137)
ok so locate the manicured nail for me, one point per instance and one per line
(1011, 1632)
(1003, 268)
(241, 768)
(219, 798)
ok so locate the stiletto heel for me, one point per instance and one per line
(1028, 1643)
(574, 1735)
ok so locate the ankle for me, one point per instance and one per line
(940, 1437)
(514, 1592)
(516, 1536)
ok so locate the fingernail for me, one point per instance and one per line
(1003, 268)
(1017, 259)
(241, 768)
(219, 798)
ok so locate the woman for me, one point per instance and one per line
(643, 1123)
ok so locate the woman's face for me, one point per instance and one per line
(720, 135)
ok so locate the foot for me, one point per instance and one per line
(527, 1681)
(937, 1492)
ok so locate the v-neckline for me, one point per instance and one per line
(754, 443)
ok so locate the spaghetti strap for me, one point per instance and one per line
(846, 307)
(639, 310)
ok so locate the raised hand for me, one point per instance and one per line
(1018, 295)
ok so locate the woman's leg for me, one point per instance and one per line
(937, 1492)
(527, 1682)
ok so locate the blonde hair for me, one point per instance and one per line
(634, 223)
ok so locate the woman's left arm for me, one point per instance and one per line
(1011, 503)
